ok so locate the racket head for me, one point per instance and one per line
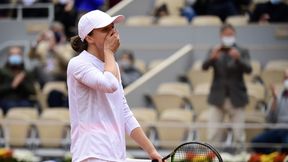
(195, 152)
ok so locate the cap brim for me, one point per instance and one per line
(115, 19)
(118, 19)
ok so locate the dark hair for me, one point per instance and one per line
(130, 55)
(77, 44)
(226, 26)
(161, 9)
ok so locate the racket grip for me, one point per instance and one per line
(154, 160)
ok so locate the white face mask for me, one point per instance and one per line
(228, 41)
(15, 59)
(125, 64)
(286, 84)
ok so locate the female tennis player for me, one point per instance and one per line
(100, 115)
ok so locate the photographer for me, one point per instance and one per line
(228, 94)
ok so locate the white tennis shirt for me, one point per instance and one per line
(99, 113)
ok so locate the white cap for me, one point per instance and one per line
(94, 20)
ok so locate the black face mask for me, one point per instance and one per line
(57, 36)
(15, 67)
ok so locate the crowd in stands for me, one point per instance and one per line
(273, 11)
(48, 56)
(65, 11)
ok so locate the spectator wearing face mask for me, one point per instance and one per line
(273, 11)
(278, 114)
(228, 94)
(16, 84)
(129, 73)
(50, 55)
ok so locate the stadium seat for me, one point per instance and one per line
(26, 113)
(277, 64)
(253, 118)
(42, 101)
(237, 20)
(256, 90)
(203, 89)
(199, 103)
(206, 21)
(179, 88)
(145, 116)
(167, 101)
(17, 126)
(252, 105)
(140, 20)
(171, 95)
(52, 127)
(272, 76)
(172, 127)
(173, 21)
(199, 76)
(54, 85)
(173, 6)
(256, 72)
(197, 65)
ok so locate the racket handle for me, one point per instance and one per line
(154, 160)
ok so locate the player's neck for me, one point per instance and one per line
(97, 53)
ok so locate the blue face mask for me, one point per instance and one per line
(15, 60)
(275, 1)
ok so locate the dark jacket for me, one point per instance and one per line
(23, 91)
(277, 12)
(228, 78)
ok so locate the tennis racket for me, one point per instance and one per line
(193, 152)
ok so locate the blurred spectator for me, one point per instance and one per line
(161, 11)
(129, 73)
(86, 6)
(188, 11)
(57, 99)
(273, 11)
(66, 13)
(112, 3)
(5, 12)
(16, 84)
(278, 114)
(50, 55)
(200, 7)
(228, 94)
(59, 32)
(221, 8)
(30, 12)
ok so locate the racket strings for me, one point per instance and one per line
(194, 153)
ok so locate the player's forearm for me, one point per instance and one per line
(141, 139)
(110, 64)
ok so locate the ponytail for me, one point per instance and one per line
(77, 44)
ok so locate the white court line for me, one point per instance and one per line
(138, 160)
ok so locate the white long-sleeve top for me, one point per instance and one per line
(99, 113)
